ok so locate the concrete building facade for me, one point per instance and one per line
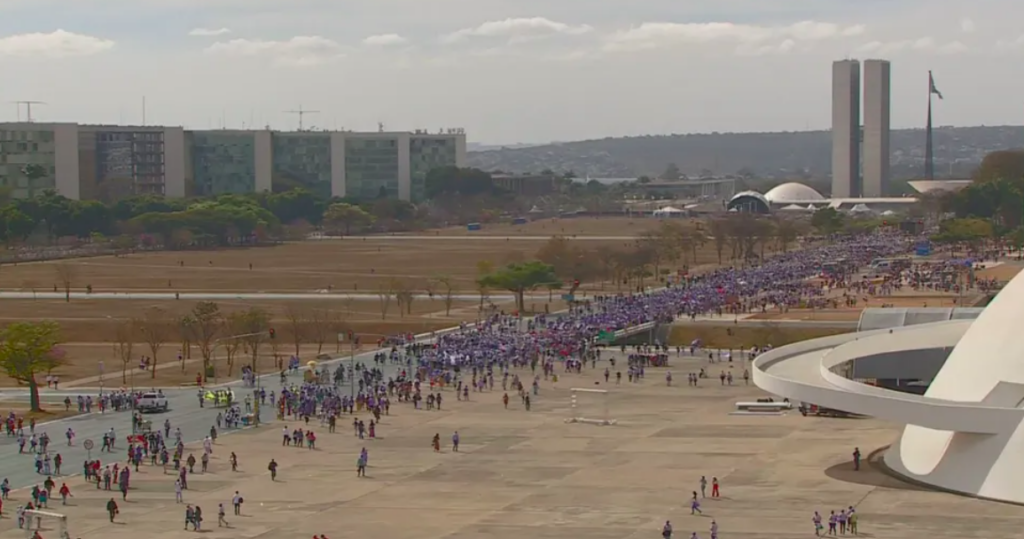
(846, 179)
(875, 147)
(108, 162)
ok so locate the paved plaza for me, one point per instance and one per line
(529, 475)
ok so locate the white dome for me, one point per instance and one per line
(793, 192)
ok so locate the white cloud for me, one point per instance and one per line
(209, 32)
(1009, 45)
(967, 26)
(299, 51)
(650, 35)
(385, 40)
(56, 44)
(924, 44)
(953, 47)
(520, 28)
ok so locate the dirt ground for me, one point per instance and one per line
(1001, 273)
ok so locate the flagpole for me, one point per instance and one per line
(929, 165)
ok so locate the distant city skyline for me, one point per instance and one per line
(528, 72)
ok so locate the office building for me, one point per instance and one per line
(109, 162)
(846, 129)
(117, 161)
(37, 157)
(875, 147)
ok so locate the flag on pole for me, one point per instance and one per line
(931, 86)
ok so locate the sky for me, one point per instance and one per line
(507, 71)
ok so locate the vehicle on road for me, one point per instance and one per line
(152, 402)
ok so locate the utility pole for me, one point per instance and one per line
(302, 115)
(28, 108)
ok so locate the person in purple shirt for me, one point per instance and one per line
(695, 505)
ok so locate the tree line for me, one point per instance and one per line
(29, 350)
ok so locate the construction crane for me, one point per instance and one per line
(28, 108)
(302, 115)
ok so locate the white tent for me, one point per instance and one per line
(860, 208)
(793, 208)
(669, 211)
(888, 213)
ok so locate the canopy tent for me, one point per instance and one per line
(669, 211)
(861, 208)
(794, 208)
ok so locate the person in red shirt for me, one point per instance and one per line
(64, 493)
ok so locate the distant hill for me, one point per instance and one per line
(806, 154)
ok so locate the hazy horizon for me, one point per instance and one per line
(508, 72)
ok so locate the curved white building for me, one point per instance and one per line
(966, 433)
(793, 192)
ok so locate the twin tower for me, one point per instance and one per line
(860, 156)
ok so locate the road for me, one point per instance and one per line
(184, 413)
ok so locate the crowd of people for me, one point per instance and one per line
(476, 357)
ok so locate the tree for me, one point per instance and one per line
(973, 232)
(385, 292)
(15, 225)
(570, 262)
(827, 221)
(254, 327)
(404, 296)
(520, 278)
(235, 327)
(458, 181)
(296, 319)
(320, 322)
(187, 331)
(66, 273)
(346, 215)
(719, 229)
(483, 268)
(1000, 165)
(28, 349)
(671, 172)
(786, 232)
(155, 330)
(124, 344)
(447, 286)
(206, 327)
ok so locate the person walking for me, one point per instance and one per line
(112, 509)
(272, 467)
(221, 521)
(455, 442)
(237, 502)
(695, 505)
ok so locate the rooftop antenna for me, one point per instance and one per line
(28, 108)
(302, 115)
(380, 127)
(143, 111)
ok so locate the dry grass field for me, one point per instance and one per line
(351, 265)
